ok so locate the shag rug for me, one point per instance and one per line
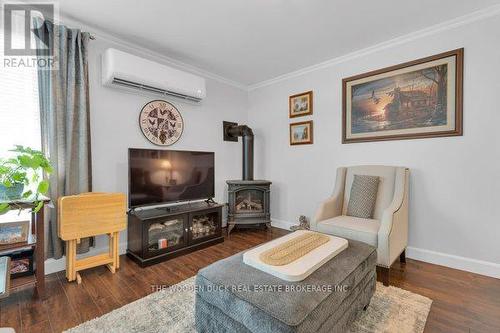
(172, 311)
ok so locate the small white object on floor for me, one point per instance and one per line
(7, 330)
(303, 224)
(302, 267)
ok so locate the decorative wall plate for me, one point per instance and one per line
(161, 123)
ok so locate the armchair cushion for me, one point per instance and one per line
(386, 183)
(363, 196)
(363, 230)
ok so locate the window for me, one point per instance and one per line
(19, 113)
(19, 108)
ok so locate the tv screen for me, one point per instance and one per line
(165, 176)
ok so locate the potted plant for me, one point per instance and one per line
(21, 178)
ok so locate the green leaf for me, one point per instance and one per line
(4, 208)
(19, 177)
(28, 168)
(27, 194)
(25, 161)
(47, 168)
(36, 161)
(27, 150)
(43, 187)
(10, 163)
(18, 148)
(39, 206)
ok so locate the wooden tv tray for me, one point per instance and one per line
(88, 215)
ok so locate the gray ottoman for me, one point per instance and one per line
(234, 297)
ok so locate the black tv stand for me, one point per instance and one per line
(161, 233)
(164, 209)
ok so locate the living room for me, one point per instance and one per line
(249, 167)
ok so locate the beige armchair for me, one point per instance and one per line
(387, 231)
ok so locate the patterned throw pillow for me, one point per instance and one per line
(363, 196)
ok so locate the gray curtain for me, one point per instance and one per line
(65, 119)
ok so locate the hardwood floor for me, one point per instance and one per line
(462, 302)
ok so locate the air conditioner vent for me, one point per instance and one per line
(130, 84)
(124, 70)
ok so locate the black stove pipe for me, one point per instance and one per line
(246, 133)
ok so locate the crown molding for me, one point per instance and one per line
(148, 53)
(447, 25)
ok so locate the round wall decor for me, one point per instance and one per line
(161, 123)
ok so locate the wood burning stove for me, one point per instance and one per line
(249, 199)
(248, 203)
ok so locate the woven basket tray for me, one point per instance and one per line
(293, 249)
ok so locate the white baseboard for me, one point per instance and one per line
(57, 265)
(281, 224)
(449, 260)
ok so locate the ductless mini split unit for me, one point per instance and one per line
(124, 70)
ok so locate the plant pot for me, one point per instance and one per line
(11, 193)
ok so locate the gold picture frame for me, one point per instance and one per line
(301, 133)
(416, 99)
(300, 105)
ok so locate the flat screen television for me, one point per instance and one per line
(167, 176)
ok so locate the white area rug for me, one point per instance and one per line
(172, 311)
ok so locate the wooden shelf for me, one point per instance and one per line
(37, 243)
(21, 282)
(18, 246)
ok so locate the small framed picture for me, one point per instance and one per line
(301, 133)
(301, 104)
(14, 232)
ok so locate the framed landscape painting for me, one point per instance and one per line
(301, 104)
(301, 133)
(417, 99)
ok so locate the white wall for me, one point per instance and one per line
(455, 182)
(115, 128)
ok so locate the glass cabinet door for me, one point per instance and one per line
(166, 234)
(204, 225)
